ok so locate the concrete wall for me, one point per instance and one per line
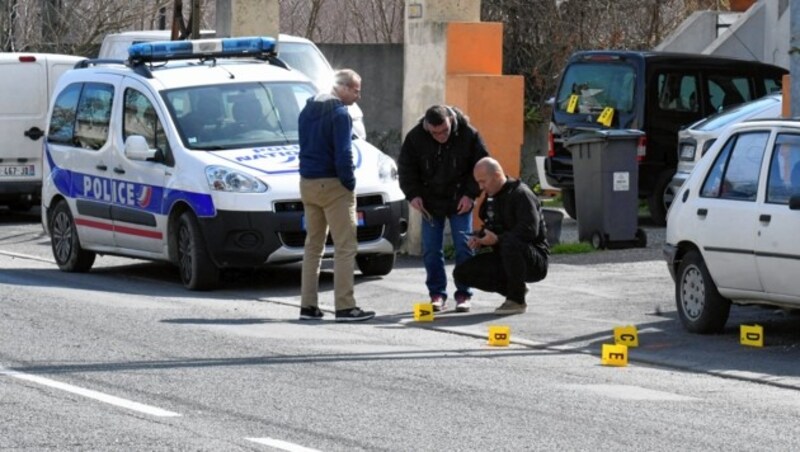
(247, 18)
(381, 70)
(693, 35)
(745, 38)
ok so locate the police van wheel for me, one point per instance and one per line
(66, 245)
(375, 264)
(197, 270)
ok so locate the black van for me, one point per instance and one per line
(655, 92)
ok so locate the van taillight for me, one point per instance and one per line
(551, 145)
(27, 59)
(641, 148)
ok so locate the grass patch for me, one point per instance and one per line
(572, 248)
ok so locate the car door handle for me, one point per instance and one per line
(34, 133)
(702, 212)
(101, 167)
(764, 218)
(119, 170)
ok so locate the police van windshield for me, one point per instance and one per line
(596, 86)
(237, 116)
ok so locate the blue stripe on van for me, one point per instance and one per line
(149, 198)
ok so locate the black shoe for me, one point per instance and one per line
(353, 315)
(311, 313)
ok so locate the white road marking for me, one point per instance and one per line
(628, 392)
(27, 256)
(99, 396)
(282, 445)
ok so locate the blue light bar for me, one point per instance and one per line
(202, 48)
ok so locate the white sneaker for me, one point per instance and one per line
(438, 302)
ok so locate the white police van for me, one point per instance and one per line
(187, 152)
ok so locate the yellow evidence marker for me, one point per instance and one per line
(572, 103)
(626, 335)
(423, 312)
(614, 355)
(752, 335)
(499, 336)
(606, 116)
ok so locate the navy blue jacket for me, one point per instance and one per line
(325, 130)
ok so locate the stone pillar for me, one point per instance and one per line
(453, 58)
(248, 18)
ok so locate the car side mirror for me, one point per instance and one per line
(136, 148)
(794, 202)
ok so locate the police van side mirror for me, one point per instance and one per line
(136, 148)
(794, 202)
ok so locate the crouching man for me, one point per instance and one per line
(512, 247)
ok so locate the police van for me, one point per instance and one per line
(25, 94)
(187, 152)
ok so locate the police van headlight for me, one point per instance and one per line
(387, 169)
(225, 179)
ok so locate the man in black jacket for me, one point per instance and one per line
(435, 169)
(512, 246)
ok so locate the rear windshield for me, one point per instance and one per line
(598, 85)
(739, 113)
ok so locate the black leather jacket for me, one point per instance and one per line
(515, 215)
(441, 173)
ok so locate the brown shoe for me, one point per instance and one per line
(510, 307)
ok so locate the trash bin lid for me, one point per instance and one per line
(589, 135)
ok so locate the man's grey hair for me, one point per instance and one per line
(345, 77)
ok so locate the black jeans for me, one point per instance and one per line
(503, 271)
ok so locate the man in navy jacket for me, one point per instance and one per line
(327, 184)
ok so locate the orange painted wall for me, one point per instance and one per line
(786, 108)
(474, 48)
(494, 104)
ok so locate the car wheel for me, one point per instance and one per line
(197, 270)
(66, 245)
(662, 197)
(568, 200)
(375, 264)
(701, 308)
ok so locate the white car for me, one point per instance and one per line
(695, 140)
(188, 153)
(732, 230)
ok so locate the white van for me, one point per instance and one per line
(297, 52)
(28, 80)
(188, 153)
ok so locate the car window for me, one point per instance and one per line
(307, 59)
(726, 91)
(140, 118)
(677, 92)
(62, 122)
(735, 172)
(239, 115)
(94, 115)
(598, 85)
(739, 113)
(784, 169)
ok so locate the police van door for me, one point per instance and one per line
(79, 148)
(140, 219)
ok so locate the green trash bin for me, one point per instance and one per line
(606, 174)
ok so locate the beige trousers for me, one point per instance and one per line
(328, 204)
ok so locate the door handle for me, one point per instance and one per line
(119, 170)
(702, 212)
(34, 133)
(101, 167)
(764, 218)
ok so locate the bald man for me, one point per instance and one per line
(512, 247)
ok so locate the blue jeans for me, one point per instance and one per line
(433, 251)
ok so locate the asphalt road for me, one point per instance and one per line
(123, 358)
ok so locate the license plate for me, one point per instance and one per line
(359, 220)
(17, 170)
